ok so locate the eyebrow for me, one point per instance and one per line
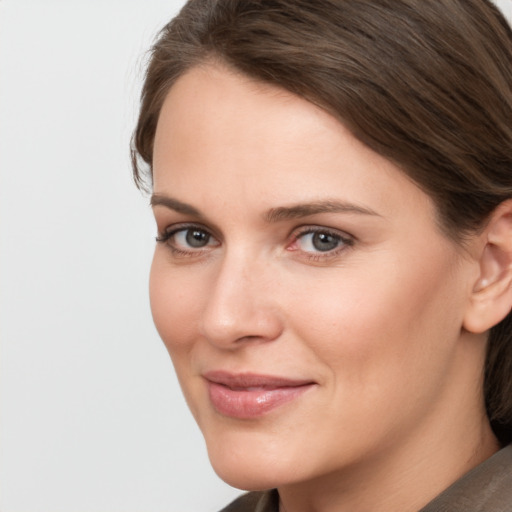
(174, 204)
(278, 214)
(304, 210)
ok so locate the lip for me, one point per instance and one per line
(249, 395)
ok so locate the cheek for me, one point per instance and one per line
(385, 343)
(174, 305)
(380, 325)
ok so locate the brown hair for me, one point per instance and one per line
(425, 83)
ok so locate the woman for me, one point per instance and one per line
(332, 183)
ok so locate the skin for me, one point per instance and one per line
(377, 323)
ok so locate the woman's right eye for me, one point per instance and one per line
(188, 239)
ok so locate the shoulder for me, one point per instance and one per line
(257, 501)
(487, 488)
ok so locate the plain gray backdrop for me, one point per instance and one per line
(92, 419)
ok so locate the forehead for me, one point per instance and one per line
(228, 110)
(223, 137)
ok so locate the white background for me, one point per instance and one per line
(92, 419)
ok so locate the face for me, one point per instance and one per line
(310, 304)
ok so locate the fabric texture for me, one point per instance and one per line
(486, 488)
(260, 501)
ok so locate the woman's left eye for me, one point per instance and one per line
(321, 241)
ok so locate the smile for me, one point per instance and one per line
(246, 396)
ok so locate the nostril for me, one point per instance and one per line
(248, 338)
(242, 329)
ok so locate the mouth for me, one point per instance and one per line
(247, 395)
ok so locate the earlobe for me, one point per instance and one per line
(491, 297)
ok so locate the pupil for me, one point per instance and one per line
(324, 242)
(197, 238)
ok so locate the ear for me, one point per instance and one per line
(491, 297)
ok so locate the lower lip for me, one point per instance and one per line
(246, 404)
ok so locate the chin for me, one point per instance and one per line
(250, 462)
(248, 475)
(245, 480)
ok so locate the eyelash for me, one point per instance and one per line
(344, 241)
(167, 235)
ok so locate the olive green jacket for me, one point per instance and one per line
(486, 488)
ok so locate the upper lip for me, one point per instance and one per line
(252, 380)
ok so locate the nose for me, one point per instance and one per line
(240, 307)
